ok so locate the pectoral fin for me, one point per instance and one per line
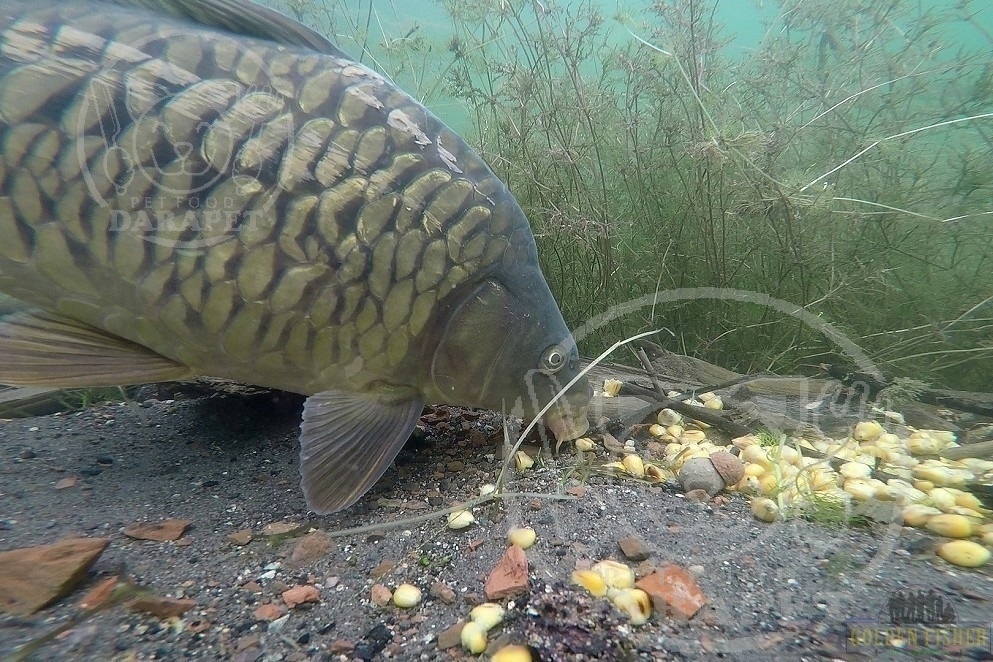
(43, 349)
(347, 441)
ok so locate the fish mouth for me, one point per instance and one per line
(568, 412)
(566, 424)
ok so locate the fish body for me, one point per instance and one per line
(209, 188)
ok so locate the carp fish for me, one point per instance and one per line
(207, 187)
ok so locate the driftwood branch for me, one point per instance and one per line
(702, 414)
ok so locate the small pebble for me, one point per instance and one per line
(240, 537)
(450, 637)
(633, 548)
(380, 595)
(443, 592)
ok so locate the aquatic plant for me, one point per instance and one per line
(842, 165)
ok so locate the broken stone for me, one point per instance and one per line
(269, 612)
(299, 595)
(309, 548)
(451, 637)
(250, 654)
(240, 537)
(164, 531)
(384, 568)
(510, 575)
(380, 595)
(252, 587)
(634, 549)
(66, 483)
(443, 592)
(697, 496)
(341, 647)
(247, 641)
(99, 595)
(673, 591)
(162, 607)
(34, 577)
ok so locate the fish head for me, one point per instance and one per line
(503, 345)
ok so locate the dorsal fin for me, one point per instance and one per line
(241, 17)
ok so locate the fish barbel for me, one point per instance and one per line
(206, 187)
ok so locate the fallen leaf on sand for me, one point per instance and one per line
(164, 531)
(673, 591)
(162, 607)
(510, 575)
(34, 577)
(299, 595)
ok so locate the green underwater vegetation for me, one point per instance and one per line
(844, 164)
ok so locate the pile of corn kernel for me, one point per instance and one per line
(782, 479)
(615, 581)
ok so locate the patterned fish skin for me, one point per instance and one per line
(263, 213)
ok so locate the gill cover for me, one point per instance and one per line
(475, 334)
(506, 351)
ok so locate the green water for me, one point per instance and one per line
(371, 30)
(831, 154)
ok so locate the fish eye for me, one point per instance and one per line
(553, 359)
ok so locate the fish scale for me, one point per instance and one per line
(254, 209)
(251, 269)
